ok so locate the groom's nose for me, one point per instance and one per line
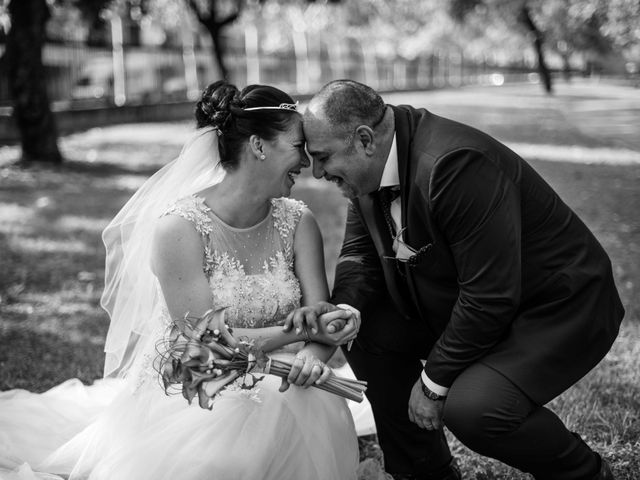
(318, 171)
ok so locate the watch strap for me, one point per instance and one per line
(431, 395)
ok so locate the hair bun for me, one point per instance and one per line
(214, 107)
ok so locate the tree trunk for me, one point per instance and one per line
(214, 26)
(27, 81)
(566, 68)
(218, 50)
(543, 70)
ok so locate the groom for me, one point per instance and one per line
(458, 253)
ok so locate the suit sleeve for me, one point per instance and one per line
(359, 278)
(477, 208)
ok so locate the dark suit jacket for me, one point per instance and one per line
(508, 274)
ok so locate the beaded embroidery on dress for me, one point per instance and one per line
(250, 270)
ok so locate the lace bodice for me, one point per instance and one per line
(250, 270)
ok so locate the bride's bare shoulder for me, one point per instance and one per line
(175, 240)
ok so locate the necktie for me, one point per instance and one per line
(387, 196)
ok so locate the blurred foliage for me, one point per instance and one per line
(590, 28)
(574, 30)
(401, 28)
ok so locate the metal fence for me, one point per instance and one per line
(79, 75)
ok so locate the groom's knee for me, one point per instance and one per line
(466, 418)
(483, 407)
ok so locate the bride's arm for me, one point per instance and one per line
(309, 260)
(176, 260)
(310, 270)
(177, 256)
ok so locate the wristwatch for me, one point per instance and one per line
(430, 394)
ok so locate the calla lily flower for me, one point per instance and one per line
(198, 377)
(194, 354)
(213, 386)
(203, 399)
(222, 350)
(188, 391)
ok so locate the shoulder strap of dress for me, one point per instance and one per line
(287, 213)
(193, 209)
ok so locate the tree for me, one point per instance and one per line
(518, 12)
(92, 13)
(572, 28)
(214, 15)
(593, 30)
(210, 14)
(27, 77)
(526, 19)
(27, 81)
(620, 24)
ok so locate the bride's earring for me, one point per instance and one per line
(262, 156)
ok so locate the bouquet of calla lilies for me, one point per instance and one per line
(195, 359)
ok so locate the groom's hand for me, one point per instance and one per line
(424, 412)
(307, 317)
(338, 327)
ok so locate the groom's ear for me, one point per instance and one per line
(365, 135)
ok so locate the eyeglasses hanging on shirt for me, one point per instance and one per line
(404, 253)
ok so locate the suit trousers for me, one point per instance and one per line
(407, 449)
(484, 410)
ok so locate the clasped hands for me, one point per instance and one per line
(322, 323)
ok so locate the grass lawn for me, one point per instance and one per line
(52, 260)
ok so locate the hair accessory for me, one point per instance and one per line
(283, 106)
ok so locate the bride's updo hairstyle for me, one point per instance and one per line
(237, 115)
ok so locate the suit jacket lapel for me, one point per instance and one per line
(404, 132)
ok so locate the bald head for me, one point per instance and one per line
(342, 105)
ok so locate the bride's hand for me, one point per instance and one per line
(306, 370)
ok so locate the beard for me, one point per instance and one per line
(348, 191)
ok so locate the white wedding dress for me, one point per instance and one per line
(131, 430)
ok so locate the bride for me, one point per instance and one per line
(213, 229)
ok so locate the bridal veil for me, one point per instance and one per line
(131, 293)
